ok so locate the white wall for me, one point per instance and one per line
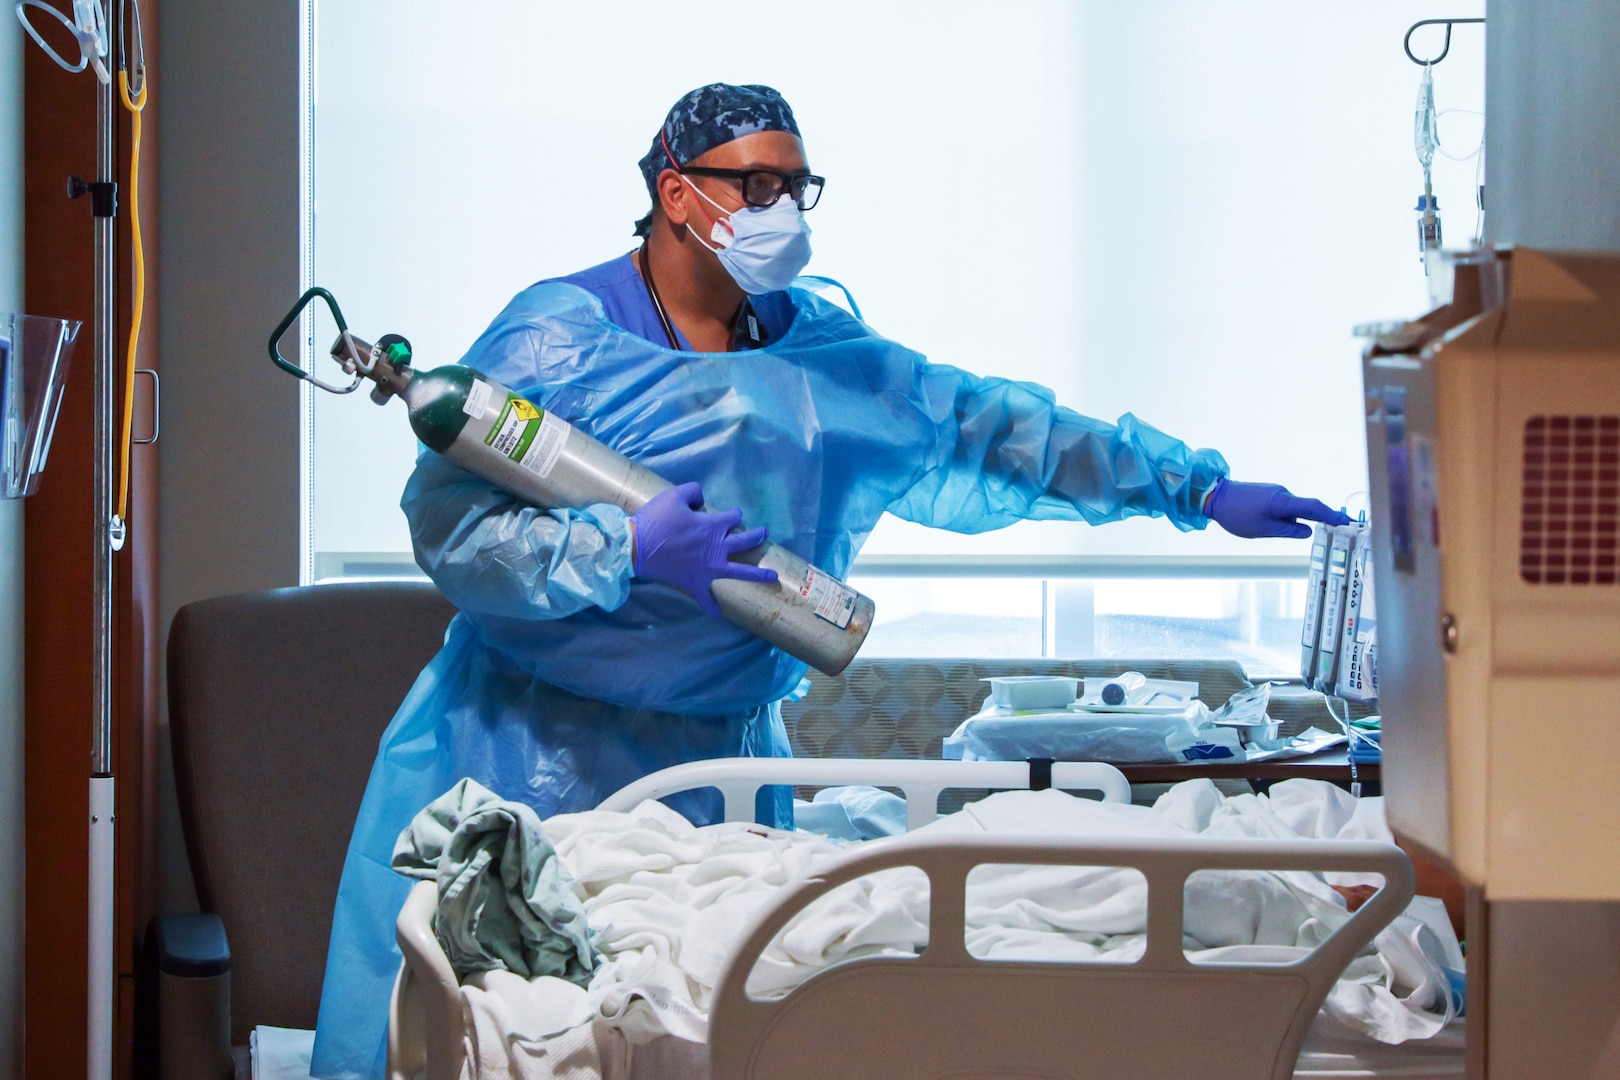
(228, 206)
(11, 585)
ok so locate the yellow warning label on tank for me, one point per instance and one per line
(515, 428)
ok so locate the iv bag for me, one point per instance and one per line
(1425, 123)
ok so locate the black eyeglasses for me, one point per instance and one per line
(762, 187)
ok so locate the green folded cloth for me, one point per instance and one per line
(506, 901)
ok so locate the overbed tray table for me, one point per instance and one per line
(1332, 765)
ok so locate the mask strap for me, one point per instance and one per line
(710, 201)
(677, 167)
(700, 239)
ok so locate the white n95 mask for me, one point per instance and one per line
(763, 248)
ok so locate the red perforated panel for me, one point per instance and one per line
(1571, 503)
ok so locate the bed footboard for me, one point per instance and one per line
(945, 1014)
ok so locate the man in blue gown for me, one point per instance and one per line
(585, 654)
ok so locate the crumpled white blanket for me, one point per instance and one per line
(515, 1029)
(667, 902)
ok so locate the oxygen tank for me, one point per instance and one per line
(542, 459)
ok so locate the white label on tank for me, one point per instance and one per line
(477, 398)
(547, 446)
(833, 600)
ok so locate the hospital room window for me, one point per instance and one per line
(1081, 193)
(1255, 621)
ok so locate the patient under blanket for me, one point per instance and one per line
(665, 902)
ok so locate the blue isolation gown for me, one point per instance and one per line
(564, 678)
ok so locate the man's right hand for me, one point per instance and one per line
(679, 543)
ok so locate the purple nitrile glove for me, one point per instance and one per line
(1256, 510)
(681, 544)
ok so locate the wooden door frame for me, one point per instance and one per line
(59, 130)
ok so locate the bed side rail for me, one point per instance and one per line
(739, 779)
(739, 1022)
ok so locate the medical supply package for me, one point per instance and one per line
(1245, 715)
(1139, 691)
(1075, 735)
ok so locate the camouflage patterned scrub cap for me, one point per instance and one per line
(708, 117)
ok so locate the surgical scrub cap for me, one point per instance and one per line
(708, 117)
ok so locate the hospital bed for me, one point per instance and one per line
(946, 1014)
(256, 679)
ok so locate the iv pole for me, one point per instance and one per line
(106, 540)
(108, 536)
(92, 27)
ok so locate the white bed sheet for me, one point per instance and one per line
(280, 1053)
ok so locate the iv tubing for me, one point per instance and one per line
(22, 5)
(126, 431)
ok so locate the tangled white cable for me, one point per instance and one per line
(88, 27)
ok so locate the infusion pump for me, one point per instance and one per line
(1493, 437)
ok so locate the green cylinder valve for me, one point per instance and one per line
(395, 349)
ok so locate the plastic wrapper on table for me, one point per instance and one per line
(1119, 738)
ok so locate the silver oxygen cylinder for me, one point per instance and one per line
(542, 459)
